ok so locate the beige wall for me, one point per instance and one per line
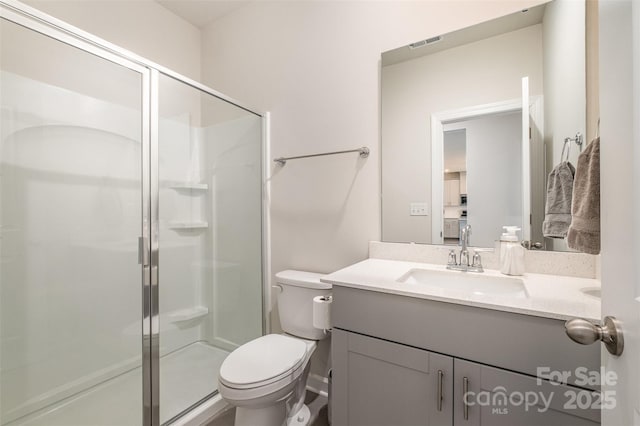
(479, 73)
(141, 26)
(564, 80)
(564, 76)
(315, 66)
(593, 78)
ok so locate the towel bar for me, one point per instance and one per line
(364, 153)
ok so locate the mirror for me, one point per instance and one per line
(473, 121)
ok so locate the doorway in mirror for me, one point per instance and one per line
(454, 183)
(485, 151)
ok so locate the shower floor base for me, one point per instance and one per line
(186, 376)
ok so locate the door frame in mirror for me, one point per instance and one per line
(439, 119)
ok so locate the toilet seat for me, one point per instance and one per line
(263, 361)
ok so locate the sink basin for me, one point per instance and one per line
(592, 291)
(472, 283)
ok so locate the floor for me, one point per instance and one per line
(186, 376)
(316, 403)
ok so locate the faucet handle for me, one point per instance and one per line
(452, 258)
(477, 260)
(464, 257)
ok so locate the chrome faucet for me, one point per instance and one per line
(464, 265)
(464, 241)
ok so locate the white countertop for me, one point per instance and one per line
(549, 296)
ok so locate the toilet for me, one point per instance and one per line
(265, 379)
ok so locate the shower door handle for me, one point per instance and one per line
(143, 251)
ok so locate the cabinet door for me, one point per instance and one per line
(451, 229)
(496, 397)
(452, 192)
(376, 382)
(455, 192)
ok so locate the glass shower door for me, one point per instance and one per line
(210, 239)
(71, 211)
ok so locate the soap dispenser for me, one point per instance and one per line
(511, 252)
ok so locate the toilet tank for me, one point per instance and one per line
(295, 302)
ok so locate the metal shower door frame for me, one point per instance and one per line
(33, 19)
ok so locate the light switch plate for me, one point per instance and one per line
(418, 209)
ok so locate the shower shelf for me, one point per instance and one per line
(188, 314)
(188, 185)
(187, 225)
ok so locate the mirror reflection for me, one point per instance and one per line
(473, 121)
(487, 190)
(455, 184)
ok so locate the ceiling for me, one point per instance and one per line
(202, 12)
(471, 34)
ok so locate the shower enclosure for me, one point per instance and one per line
(130, 231)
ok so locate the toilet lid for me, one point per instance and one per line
(262, 360)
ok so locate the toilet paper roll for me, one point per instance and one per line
(322, 312)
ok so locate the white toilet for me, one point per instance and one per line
(266, 378)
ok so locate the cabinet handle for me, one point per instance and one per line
(465, 391)
(440, 396)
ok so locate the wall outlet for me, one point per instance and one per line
(418, 209)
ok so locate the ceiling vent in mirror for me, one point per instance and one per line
(422, 43)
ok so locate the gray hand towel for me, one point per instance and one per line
(558, 207)
(584, 232)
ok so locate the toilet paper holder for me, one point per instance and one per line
(322, 312)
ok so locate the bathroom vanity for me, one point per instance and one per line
(411, 339)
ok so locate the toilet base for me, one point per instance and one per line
(271, 415)
(301, 418)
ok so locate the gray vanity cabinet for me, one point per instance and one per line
(498, 397)
(388, 352)
(377, 382)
